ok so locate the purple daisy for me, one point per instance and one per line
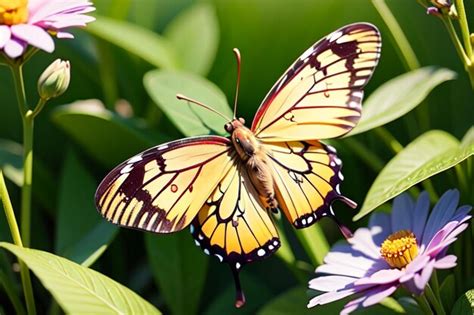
(33, 22)
(401, 249)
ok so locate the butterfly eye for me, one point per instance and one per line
(228, 127)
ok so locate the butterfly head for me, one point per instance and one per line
(243, 139)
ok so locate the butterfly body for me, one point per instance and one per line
(224, 188)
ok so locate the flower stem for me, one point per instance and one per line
(464, 27)
(423, 304)
(15, 233)
(438, 307)
(365, 154)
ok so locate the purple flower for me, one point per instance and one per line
(33, 22)
(401, 249)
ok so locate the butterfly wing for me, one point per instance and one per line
(162, 189)
(320, 95)
(307, 176)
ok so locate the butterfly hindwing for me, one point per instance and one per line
(163, 188)
(307, 177)
(233, 225)
(320, 95)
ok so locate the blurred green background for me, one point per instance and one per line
(73, 152)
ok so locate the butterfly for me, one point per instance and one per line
(226, 188)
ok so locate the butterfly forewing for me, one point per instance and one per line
(233, 225)
(162, 189)
(320, 95)
(307, 176)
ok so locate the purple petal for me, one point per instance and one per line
(352, 306)
(346, 264)
(379, 225)
(51, 9)
(441, 214)
(363, 242)
(402, 213)
(383, 276)
(379, 296)
(5, 35)
(330, 283)
(441, 241)
(462, 212)
(14, 48)
(34, 35)
(64, 35)
(446, 262)
(329, 297)
(420, 215)
(422, 279)
(416, 265)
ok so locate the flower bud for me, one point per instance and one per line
(54, 81)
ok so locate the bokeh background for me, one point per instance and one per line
(73, 153)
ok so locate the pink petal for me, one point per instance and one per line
(412, 268)
(5, 35)
(379, 296)
(384, 276)
(446, 262)
(64, 35)
(34, 35)
(14, 48)
(330, 283)
(422, 279)
(329, 297)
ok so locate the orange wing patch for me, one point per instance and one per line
(233, 225)
(307, 175)
(320, 95)
(162, 189)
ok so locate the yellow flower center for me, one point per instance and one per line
(399, 249)
(13, 11)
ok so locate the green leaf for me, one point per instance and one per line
(191, 120)
(400, 95)
(104, 135)
(448, 291)
(195, 36)
(429, 154)
(80, 230)
(135, 39)
(179, 268)
(11, 160)
(465, 304)
(80, 290)
(314, 243)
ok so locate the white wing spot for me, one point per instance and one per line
(331, 148)
(307, 53)
(338, 161)
(334, 36)
(303, 221)
(337, 189)
(275, 243)
(200, 237)
(162, 147)
(341, 177)
(127, 169)
(191, 228)
(219, 257)
(330, 163)
(358, 94)
(270, 247)
(310, 219)
(237, 265)
(136, 158)
(206, 251)
(197, 243)
(261, 252)
(353, 104)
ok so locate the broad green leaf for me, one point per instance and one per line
(104, 135)
(80, 290)
(428, 155)
(468, 139)
(314, 242)
(465, 304)
(179, 268)
(448, 291)
(195, 36)
(135, 39)
(80, 230)
(191, 120)
(11, 161)
(400, 95)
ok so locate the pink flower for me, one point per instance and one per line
(33, 22)
(398, 249)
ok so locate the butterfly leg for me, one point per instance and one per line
(239, 293)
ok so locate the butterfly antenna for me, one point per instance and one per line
(185, 98)
(237, 57)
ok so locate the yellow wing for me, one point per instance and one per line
(233, 225)
(307, 176)
(320, 95)
(162, 189)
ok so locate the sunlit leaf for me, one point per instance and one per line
(195, 36)
(465, 304)
(80, 290)
(400, 95)
(428, 155)
(191, 120)
(179, 268)
(135, 39)
(80, 230)
(104, 135)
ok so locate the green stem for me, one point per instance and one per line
(28, 123)
(24, 272)
(39, 107)
(464, 27)
(402, 44)
(10, 291)
(435, 284)
(438, 307)
(456, 41)
(389, 139)
(367, 156)
(423, 304)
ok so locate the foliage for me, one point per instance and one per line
(416, 132)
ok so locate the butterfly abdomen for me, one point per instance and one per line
(261, 177)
